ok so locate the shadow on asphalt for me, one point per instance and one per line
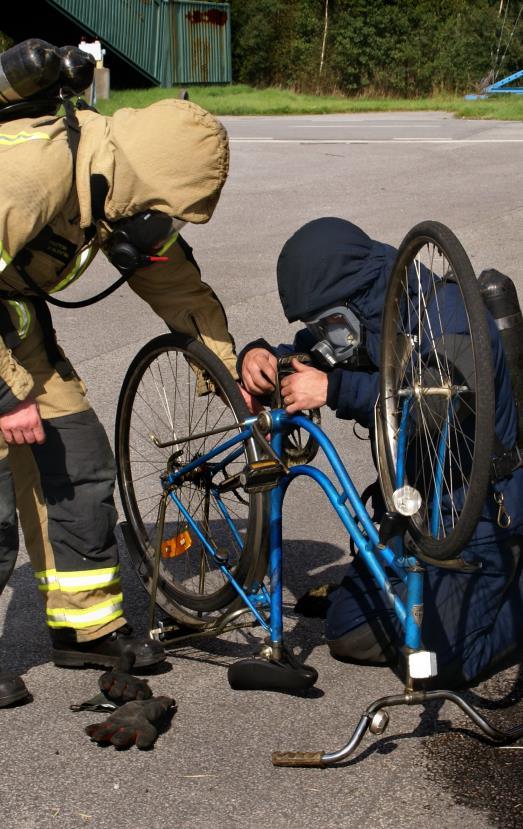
(477, 773)
(24, 643)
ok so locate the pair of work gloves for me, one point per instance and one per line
(136, 716)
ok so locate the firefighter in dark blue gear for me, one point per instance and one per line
(330, 273)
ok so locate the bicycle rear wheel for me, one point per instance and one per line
(436, 405)
(161, 400)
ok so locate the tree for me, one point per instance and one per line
(386, 47)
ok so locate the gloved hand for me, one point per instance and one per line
(122, 687)
(134, 723)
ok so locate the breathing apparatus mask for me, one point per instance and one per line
(338, 333)
(141, 240)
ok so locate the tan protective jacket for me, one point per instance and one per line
(172, 156)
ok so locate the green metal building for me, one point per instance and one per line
(170, 42)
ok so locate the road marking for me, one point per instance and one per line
(376, 140)
(367, 124)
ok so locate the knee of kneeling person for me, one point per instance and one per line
(365, 646)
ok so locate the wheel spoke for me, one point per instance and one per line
(435, 352)
(161, 397)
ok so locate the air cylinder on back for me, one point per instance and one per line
(500, 296)
(77, 69)
(27, 69)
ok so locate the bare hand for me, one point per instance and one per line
(252, 402)
(259, 369)
(305, 389)
(22, 424)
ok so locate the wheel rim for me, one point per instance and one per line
(163, 404)
(433, 415)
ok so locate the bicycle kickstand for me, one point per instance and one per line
(375, 719)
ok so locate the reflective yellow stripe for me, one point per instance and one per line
(24, 316)
(5, 259)
(78, 581)
(170, 241)
(22, 137)
(64, 623)
(81, 262)
(77, 619)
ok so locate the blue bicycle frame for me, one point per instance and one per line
(378, 557)
(346, 502)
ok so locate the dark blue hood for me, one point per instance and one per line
(330, 261)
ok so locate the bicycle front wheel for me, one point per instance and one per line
(437, 392)
(177, 388)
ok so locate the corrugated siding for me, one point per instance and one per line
(169, 41)
(138, 30)
(202, 42)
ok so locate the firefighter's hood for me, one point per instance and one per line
(329, 261)
(172, 156)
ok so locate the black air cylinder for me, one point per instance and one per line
(77, 69)
(27, 69)
(501, 298)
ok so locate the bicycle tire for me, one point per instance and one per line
(167, 370)
(446, 376)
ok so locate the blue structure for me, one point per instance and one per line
(500, 87)
(503, 85)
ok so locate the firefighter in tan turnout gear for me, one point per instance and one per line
(68, 187)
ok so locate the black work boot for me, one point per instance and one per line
(12, 689)
(119, 649)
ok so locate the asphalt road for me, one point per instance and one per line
(213, 769)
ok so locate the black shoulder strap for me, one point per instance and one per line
(55, 356)
(72, 126)
(12, 338)
(8, 331)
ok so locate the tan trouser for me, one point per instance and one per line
(64, 497)
(64, 488)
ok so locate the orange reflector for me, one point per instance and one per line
(177, 545)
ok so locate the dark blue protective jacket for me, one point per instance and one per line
(470, 619)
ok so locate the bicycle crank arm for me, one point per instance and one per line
(173, 636)
(199, 436)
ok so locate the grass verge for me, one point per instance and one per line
(245, 100)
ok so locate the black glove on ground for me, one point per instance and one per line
(134, 723)
(122, 687)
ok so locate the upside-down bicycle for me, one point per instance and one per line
(203, 482)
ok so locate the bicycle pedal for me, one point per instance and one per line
(230, 484)
(298, 758)
(261, 476)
